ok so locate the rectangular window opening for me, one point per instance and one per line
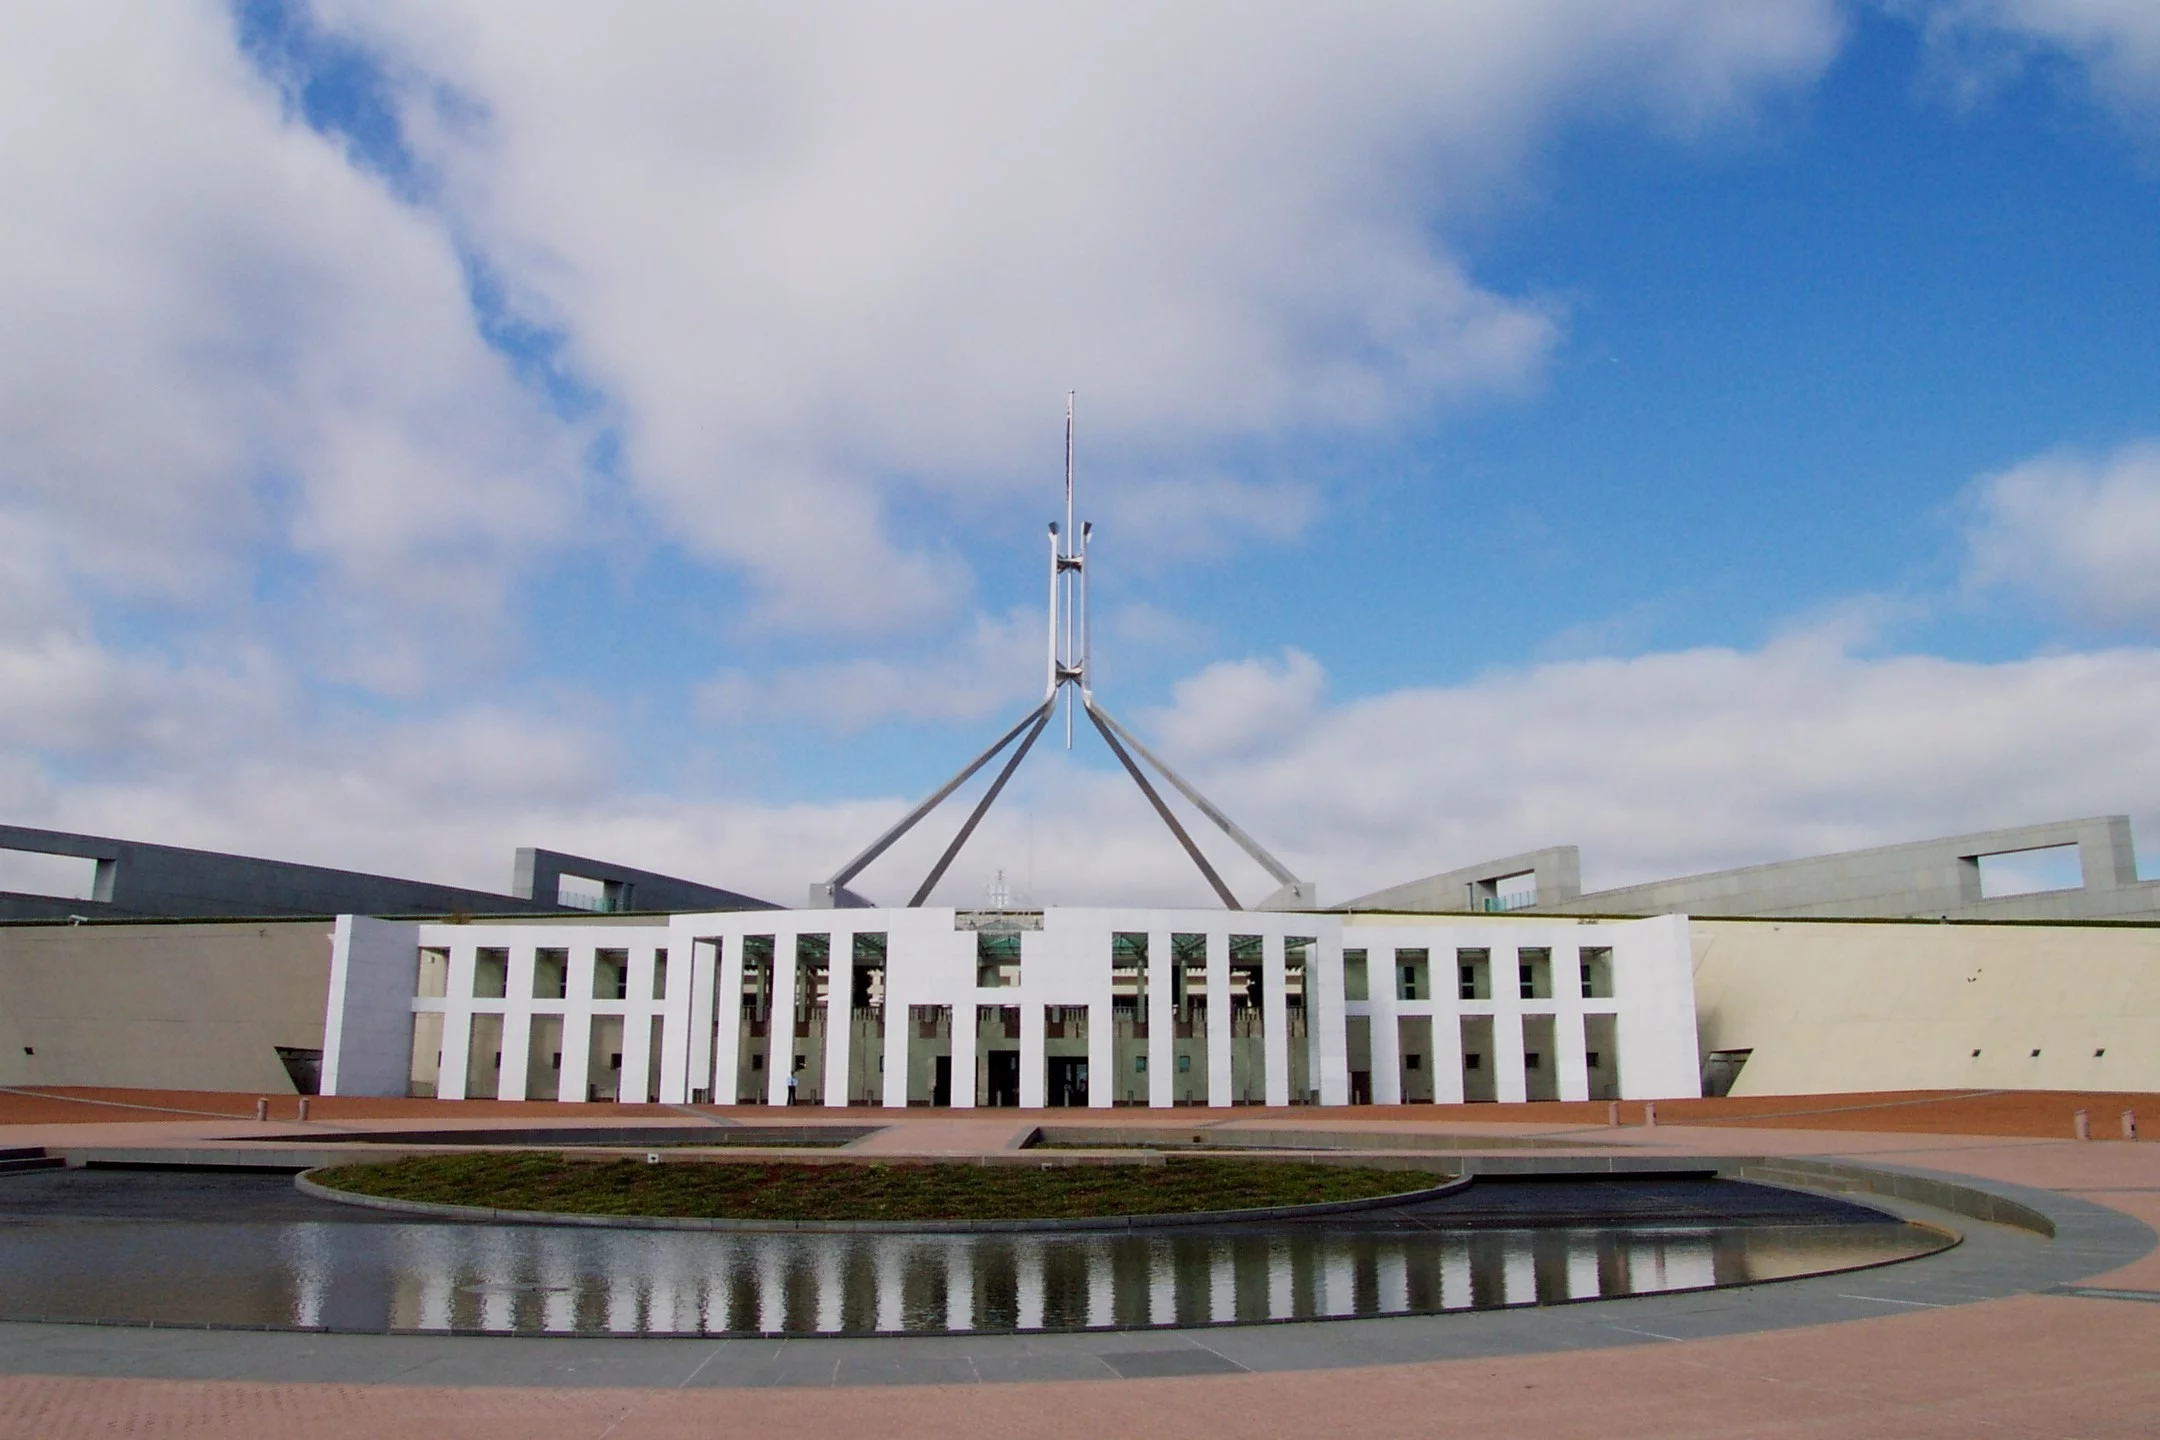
(2030, 872)
(56, 877)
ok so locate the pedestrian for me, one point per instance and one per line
(791, 1087)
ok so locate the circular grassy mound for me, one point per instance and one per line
(737, 1190)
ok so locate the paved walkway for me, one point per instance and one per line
(2083, 1364)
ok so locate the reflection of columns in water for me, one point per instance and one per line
(799, 1313)
(1028, 1278)
(1582, 1266)
(1222, 1281)
(770, 1287)
(891, 1267)
(1488, 1272)
(1097, 1261)
(1365, 1296)
(559, 1299)
(1455, 1288)
(1279, 1279)
(959, 1286)
(1194, 1277)
(1162, 1283)
(310, 1270)
(1250, 1259)
(1549, 1259)
(742, 1286)
(1337, 1277)
(1518, 1271)
(1393, 1290)
(828, 1260)
(1422, 1278)
(861, 1279)
(997, 1284)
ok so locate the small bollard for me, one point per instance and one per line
(1649, 1114)
(2129, 1124)
(262, 1109)
(303, 1107)
(2081, 1124)
(1612, 1112)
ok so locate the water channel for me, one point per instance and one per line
(248, 1251)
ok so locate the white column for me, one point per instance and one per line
(727, 1017)
(637, 1012)
(456, 1045)
(1571, 1053)
(1447, 1078)
(516, 1023)
(516, 1047)
(677, 1034)
(696, 1045)
(1326, 1017)
(1510, 1086)
(1218, 1019)
(898, 1026)
(1386, 1035)
(780, 1026)
(1161, 1024)
(1275, 1016)
(966, 1027)
(839, 1017)
(1104, 1082)
(1033, 1081)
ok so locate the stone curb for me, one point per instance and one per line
(437, 1210)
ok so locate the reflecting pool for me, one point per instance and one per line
(60, 1263)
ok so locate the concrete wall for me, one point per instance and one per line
(136, 880)
(1831, 1007)
(539, 872)
(1932, 878)
(190, 1006)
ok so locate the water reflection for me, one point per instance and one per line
(537, 1280)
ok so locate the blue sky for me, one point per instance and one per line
(1701, 433)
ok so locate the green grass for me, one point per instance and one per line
(747, 1190)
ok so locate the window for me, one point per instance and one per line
(1472, 1061)
(1531, 1059)
(1184, 1064)
(1353, 976)
(1413, 1062)
(1139, 1064)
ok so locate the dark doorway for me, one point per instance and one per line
(941, 1085)
(1068, 1080)
(1361, 1087)
(1003, 1078)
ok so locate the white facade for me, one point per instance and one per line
(1211, 1007)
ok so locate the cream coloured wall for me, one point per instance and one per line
(186, 1006)
(1831, 1007)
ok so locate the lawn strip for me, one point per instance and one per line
(747, 1190)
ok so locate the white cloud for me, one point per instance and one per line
(2080, 533)
(997, 664)
(1980, 43)
(823, 256)
(1661, 765)
(225, 344)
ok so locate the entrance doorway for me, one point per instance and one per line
(941, 1083)
(1002, 1078)
(1068, 1079)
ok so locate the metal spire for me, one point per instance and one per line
(1067, 677)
